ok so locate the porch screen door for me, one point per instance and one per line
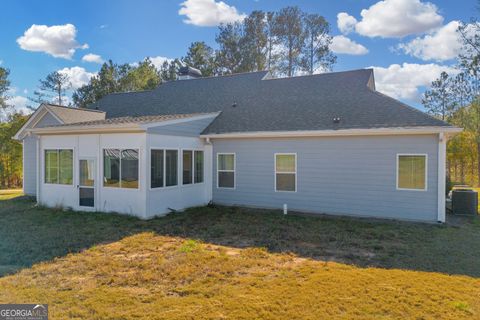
(86, 186)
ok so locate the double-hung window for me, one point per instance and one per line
(59, 166)
(286, 172)
(412, 172)
(192, 165)
(120, 168)
(226, 170)
(163, 168)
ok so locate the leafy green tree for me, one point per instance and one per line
(168, 70)
(113, 78)
(272, 42)
(11, 152)
(4, 87)
(254, 42)
(439, 100)
(52, 89)
(202, 57)
(142, 77)
(229, 56)
(290, 33)
(316, 54)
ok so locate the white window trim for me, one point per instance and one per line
(275, 171)
(45, 162)
(165, 187)
(120, 169)
(194, 157)
(234, 170)
(426, 171)
(192, 168)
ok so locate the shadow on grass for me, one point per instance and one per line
(30, 234)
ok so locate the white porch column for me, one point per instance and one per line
(442, 151)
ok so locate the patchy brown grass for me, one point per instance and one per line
(147, 276)
(235, 263)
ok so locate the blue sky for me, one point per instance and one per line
(409, 42)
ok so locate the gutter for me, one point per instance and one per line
(339, 132)
(87, 129)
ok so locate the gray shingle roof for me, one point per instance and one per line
(72, 115)
(288, 104)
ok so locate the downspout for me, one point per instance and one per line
(39, 172)
(441, 176)
(209, 184)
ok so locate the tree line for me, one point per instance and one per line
(455, 98)
(285, 43)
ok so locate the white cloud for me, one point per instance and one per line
(159, 60)
(58, 41)
(90, 57)
(341, 44)
(19, 104)
(1, 61)
(345, 22)
(396, 19)
(405, 81)
(78, 76)
(209, 13)
(442, 44)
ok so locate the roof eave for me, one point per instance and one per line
(339, 132)
(88, 129)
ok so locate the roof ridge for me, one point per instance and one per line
(319, 74)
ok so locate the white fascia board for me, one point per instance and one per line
(88, 129)
(340, 132)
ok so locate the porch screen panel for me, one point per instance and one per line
(51, 166)
(171, 168)
(187, 167)
(156, 170)
(65, 166)
(129, 169)
(111, 168)
(198, 166)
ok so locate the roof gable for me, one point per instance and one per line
(48, 115)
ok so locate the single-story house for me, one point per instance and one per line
(327, 143)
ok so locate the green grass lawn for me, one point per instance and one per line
(214, 263)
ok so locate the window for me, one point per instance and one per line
(111, 168)
(187, 167)
(286, 172)
(157, 168)
(171, 168)
(120, 168)
(129, 169)
(198, 167)
(163, 168)
(226, 170)
(59, 166)
(412, 172)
